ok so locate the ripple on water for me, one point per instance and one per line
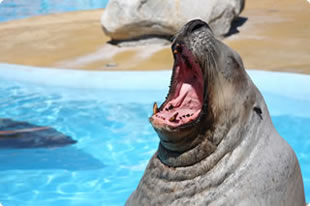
(102, 168)
(115, 142)
(17, 9)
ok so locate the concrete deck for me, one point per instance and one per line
(274, 37)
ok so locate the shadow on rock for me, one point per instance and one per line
(237, 22)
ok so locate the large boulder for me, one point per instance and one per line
(133, 19)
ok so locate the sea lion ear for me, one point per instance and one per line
(232, 62)
(258, 111)
(237, 59)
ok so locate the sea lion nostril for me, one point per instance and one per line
(177, 48)
(196, 25)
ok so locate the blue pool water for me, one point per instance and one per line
(17, 9)
(115, 141)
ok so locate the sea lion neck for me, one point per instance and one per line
(202, 149)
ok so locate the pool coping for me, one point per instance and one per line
(285, 84)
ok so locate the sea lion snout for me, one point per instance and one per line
(195, 30)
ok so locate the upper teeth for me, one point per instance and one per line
(155, 108)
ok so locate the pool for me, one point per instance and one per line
(106, 112)
(17, 9)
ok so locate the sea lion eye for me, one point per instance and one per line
(258, 111)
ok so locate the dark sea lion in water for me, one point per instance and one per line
(218, 145)
(21, 135)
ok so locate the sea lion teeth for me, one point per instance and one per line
(174, 117)
(155, 108)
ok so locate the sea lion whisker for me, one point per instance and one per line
(220, 84)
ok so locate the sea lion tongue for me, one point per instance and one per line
(184, 101)
(174, 120)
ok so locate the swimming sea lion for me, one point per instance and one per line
(22, 135)
(218, 145)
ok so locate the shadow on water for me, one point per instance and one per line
(237, 22)
(67, 158)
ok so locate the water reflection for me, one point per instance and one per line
(17, 9)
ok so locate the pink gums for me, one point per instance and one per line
(185, 103)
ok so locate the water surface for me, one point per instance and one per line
(115, 142)
(17, 9)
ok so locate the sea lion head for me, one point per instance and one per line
(209, 91)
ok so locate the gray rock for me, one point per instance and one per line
(123, 19)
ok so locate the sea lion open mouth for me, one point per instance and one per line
(185, 98)
(186, 114)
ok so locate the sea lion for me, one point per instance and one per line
(22, 135)
(218, 145)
